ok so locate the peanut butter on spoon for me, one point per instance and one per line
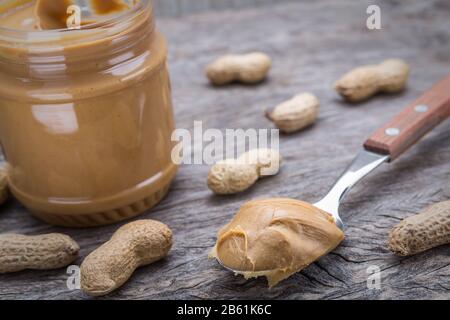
(276, 238)
(53, 14)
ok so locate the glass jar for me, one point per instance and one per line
(86, 118)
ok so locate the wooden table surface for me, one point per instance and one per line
(312, 44)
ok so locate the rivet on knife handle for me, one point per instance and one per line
(413, 122)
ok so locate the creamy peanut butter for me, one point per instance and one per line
(51, 14)
(275, 238)
(54, 14)
(85, 116)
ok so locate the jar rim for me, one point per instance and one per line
(56, 34)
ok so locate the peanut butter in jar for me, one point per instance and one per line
(85, 114)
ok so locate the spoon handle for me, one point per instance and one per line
(413, 122)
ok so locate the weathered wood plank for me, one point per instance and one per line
(170, 8)
(312, 43)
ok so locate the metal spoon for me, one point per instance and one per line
(389, 142)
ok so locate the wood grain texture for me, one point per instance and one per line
(173, 8)
(412, 123)
(313, 43)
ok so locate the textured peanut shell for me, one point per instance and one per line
(231, 176)
(362, 83)
(429, 229)
(237, 175)
(247, 68)
(134, 245)
(295, 114)
(3, 186)
(42, 252)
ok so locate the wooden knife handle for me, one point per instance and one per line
(413, 122)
